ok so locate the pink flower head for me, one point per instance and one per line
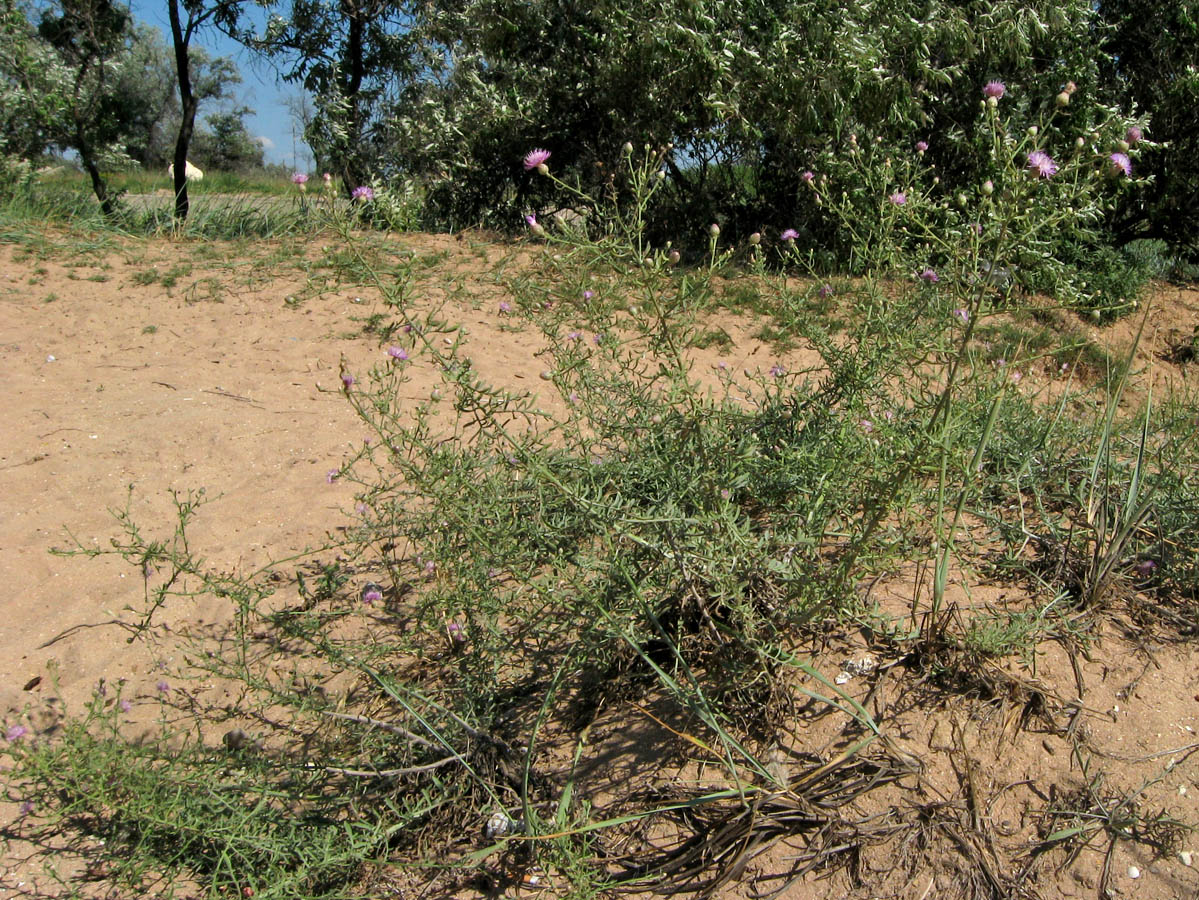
(826, 291)
(962, 315)
(163, 687)
(789, 235)
(347, 380)
(1120, 164)
(899, 198)
(921, 146)
(299, 178)
(929, 275)
(1041, 164)
(808, 176)
(573, 336)
(27, 807)
(327, 177)
(994, 89)
(1145, 567)
(363, 193)
(867, 426)
(397, 353)
(430, 567)
(331, 476)
(536, 158)
(1134, 136)
(777, 371)
(505, 307)
(125, 706)
(587, 295)
(16, 733)
(371, 594)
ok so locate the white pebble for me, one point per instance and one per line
(1134, 872)
(50, 358)
(1185, 856)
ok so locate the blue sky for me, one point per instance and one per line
(261, 89)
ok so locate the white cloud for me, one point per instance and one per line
(265, 142)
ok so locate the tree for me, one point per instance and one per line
(225, 145)
(223, 13)
(31, 82)
(1151, 57)
(91, 37)
(352, 56)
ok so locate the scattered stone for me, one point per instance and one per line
(1134, 872)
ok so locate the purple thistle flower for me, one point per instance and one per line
(963, 315)
(371, 594)
(826, 291)
(16, 733)
(397, 353)
(299, 178)
(363, 193)
(531, 220)
(26, 807)
(597, 339)
(331, 476)
(777, 371)
(1134, 135)
(808, 176)
(347, 380)
(1041, 164)
(574, 336)
(1121, 164)
(1145, 568)
(125, 706)
(994, 89)
(505, 307)
(867, 426)
(921, 146)
(587, 295)
(929, 275)
(163, 687)
(789, 235)
(430, 567)
(899, 198)
(725, 493)
(456, 633)
(536, 158)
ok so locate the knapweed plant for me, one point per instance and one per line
(632, 546)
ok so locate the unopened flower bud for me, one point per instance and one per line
(988, 187)
(1079, 143)
(627, 149)
(1071, 87)
(543, 168)
(674, 257)
(1062, 100)
(1123, 145)
(714, 230)
(755, 238)
(992, 102)
(1032, 130)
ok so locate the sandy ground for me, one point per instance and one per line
(117, 393)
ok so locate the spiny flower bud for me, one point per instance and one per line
(674, 257)
(627, 149)
(1062, 100)
(755, 238)
(714, 230)
(988, 187)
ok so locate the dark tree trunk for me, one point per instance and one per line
(99, 185)
(353, 173)
(187, 103)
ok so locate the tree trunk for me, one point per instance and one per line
(354, 66)
(187, 103)
(99, 185)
